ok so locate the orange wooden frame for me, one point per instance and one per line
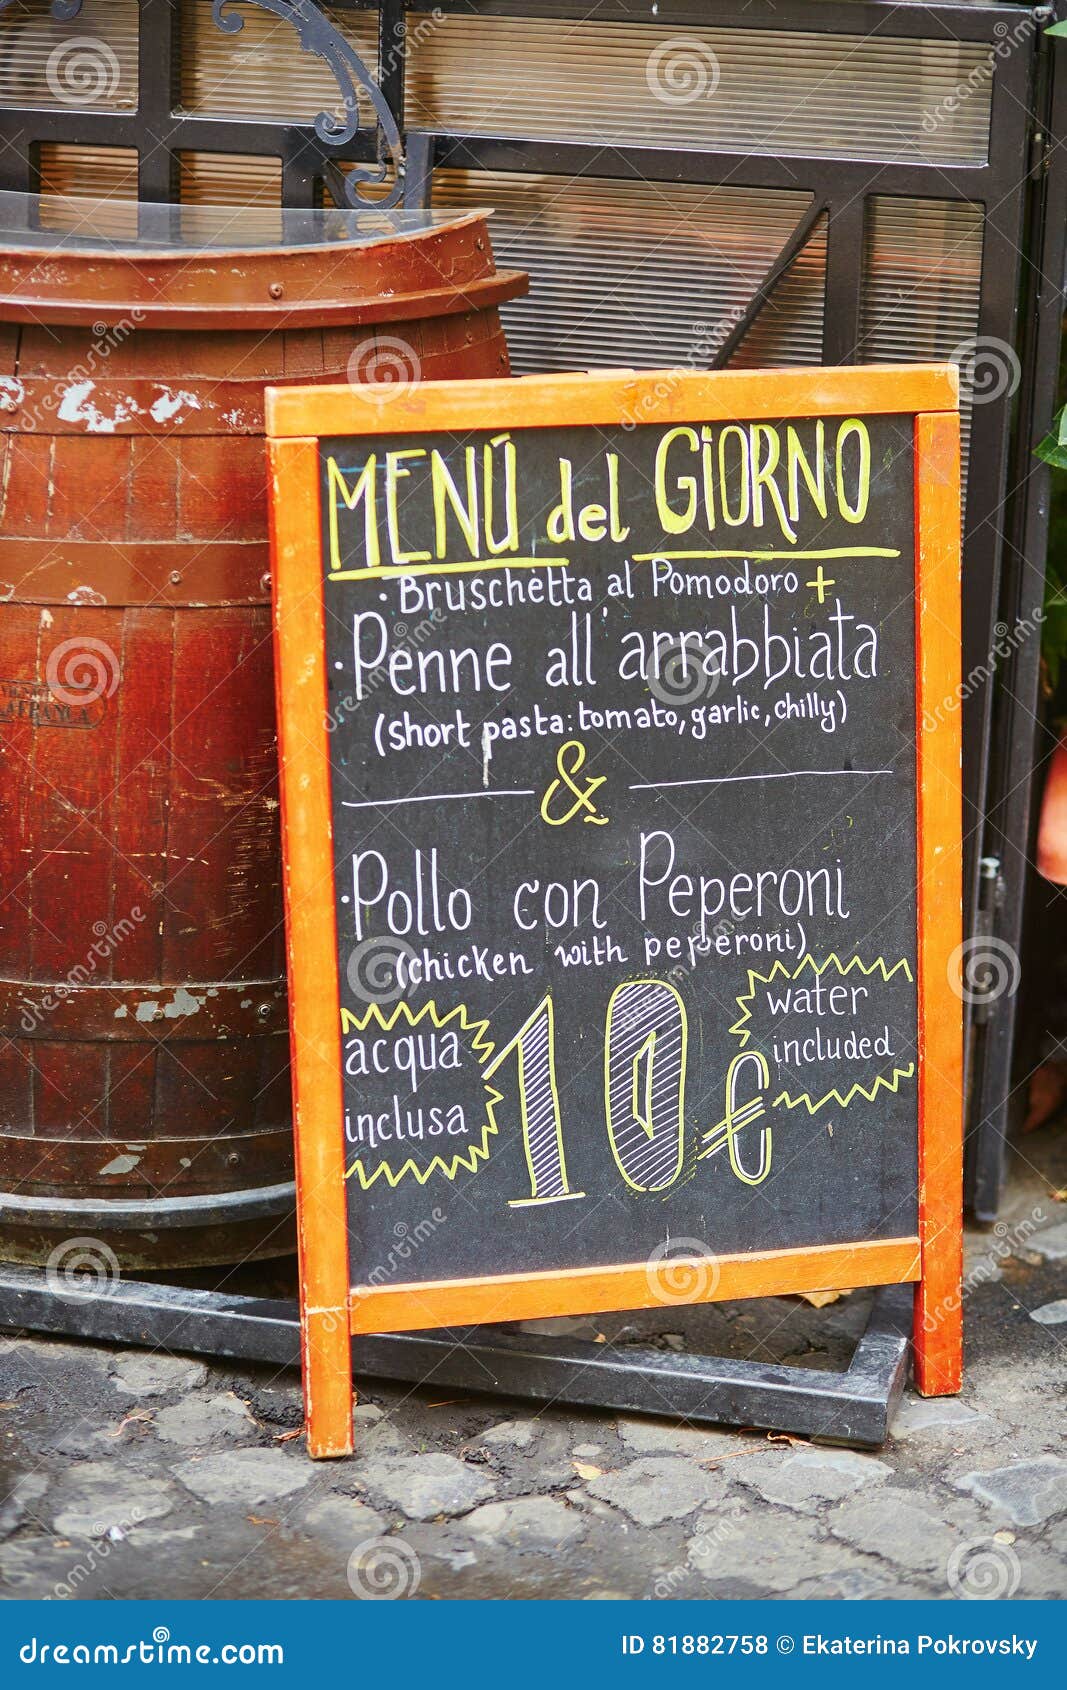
(332, 1310)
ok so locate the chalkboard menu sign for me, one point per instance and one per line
(620, 755)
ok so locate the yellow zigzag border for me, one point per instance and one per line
(780, 971)
(483, 1048)
(805, 1099)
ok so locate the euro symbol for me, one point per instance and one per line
(574, 752)
(739, 1115)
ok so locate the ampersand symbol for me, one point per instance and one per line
(570, 759)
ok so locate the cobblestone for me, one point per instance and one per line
(754, 1559)
(919, 1414)
(895, 1527)
(425, 1486)
(529, 1522)
(341, 1520)
(1051, 1314)
(511, 1434)
(1025, 1492)
(148, 1375)
(665, 1437)
(100, 1497)
(1051, 1244)
(812, 1477)
(200, 1420)
(658, 1488)
(246, 1477)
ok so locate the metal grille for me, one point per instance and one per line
(224, 179)
(922, 284)
(754, 91)
(790, 328)
(108, 174)
(922, 278)
(632, 274)
(258, 73)
(87, 64)
(161, 77)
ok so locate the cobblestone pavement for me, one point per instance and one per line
(137, 1475)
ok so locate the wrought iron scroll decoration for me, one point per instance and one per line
(317, 35)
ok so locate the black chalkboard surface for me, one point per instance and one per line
(612, 816)
(620, 729)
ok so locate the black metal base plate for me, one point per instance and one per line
(854, 1406)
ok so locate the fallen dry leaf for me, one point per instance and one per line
(287, 1437)
(586, 1470)
(819, 1299)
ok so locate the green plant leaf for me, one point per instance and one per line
(1053, 449)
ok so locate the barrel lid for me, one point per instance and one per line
(51, 222)
(93, 261)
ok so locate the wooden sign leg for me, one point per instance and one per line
(307, 833)
(326, 1352)
(938, 1331)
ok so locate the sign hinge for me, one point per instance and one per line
(1039, 153)
(991, 890)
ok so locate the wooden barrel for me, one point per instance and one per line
(144, 1091)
